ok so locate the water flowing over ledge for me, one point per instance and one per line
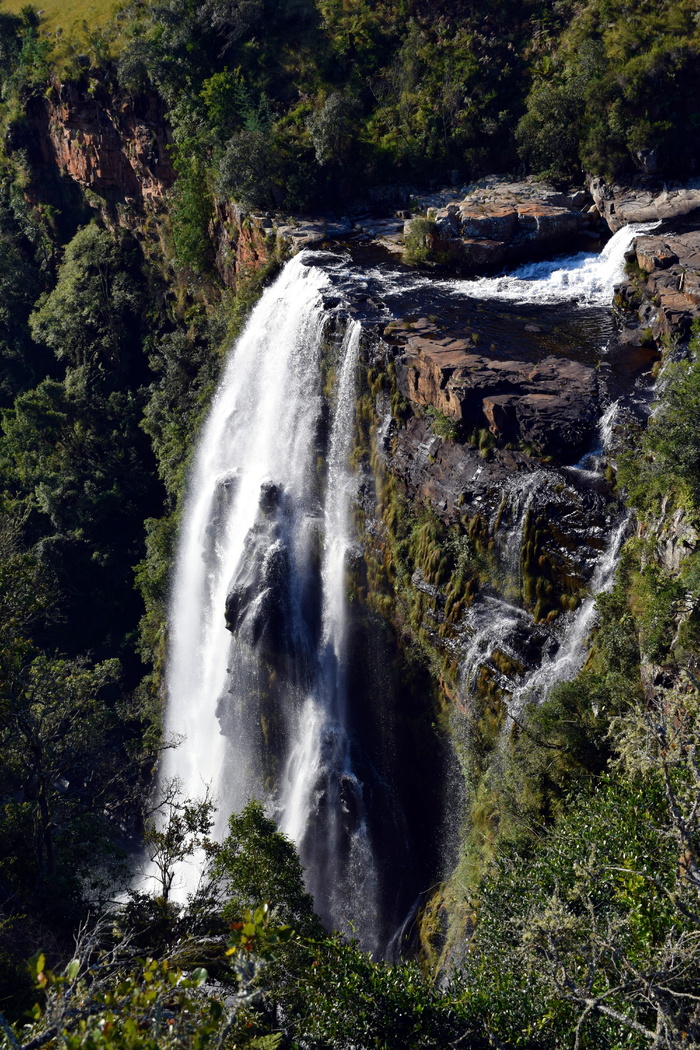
(259, 680)
(584, 278)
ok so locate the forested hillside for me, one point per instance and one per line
(572, 918)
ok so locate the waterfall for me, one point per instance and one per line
(256, 687)
(322, 801)
(262, 676)
(518, 497)
(585, 278)
(494, 624)
(497, 625)
(567, 659)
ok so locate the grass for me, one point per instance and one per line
(66, 17)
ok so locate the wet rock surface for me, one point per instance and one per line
(550, 406)
(259, 606)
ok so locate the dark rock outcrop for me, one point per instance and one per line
(550, 405)
(258, 603)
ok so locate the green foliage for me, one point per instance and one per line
(257, 863)
(550, 132)
(673, 433)
(21, 361)
(100, 1004)
(185, 363)
(569, 939)
(73, 453)
(94, 312)
(418, 241)
(604, 97)
(192, 212)
(250, 169)
(442, 425)
(332, 128)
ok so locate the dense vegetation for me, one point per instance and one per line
(578, 881)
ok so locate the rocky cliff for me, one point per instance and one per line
(118, 149)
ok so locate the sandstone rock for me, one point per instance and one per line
(654, 254)
(500, 416)
(641, 202)
(690, 286)
(544, 222)
(486, 253)
(118, 150)
(673, 285)
(513, 221)
(489, 222)
(550, 405)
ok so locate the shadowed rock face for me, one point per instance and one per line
(118, 150)
(550, 405)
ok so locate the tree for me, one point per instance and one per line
(93, 314)
(177, 829)
(249, 171)
(257, 863)
(58, 774)
(333, 128)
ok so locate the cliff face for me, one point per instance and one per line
(118, 149)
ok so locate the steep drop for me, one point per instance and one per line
(256, 678)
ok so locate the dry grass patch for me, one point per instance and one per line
(66, 17)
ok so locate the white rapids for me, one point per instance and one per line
(583, 278)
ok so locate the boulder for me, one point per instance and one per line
(654, 254)
(673, 287)
(550, 405)
(483, 254)
(495, 222)
(545, 222)
(690, 286)
(499, 222)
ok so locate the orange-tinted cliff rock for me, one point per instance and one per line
(117, 148)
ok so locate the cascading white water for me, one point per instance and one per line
(585, 278)
(322, 803)
(512, 516)
(568, 659)
(492, 623)
(591, 460)
(258, 656)
(260, 429)
(255, 677)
